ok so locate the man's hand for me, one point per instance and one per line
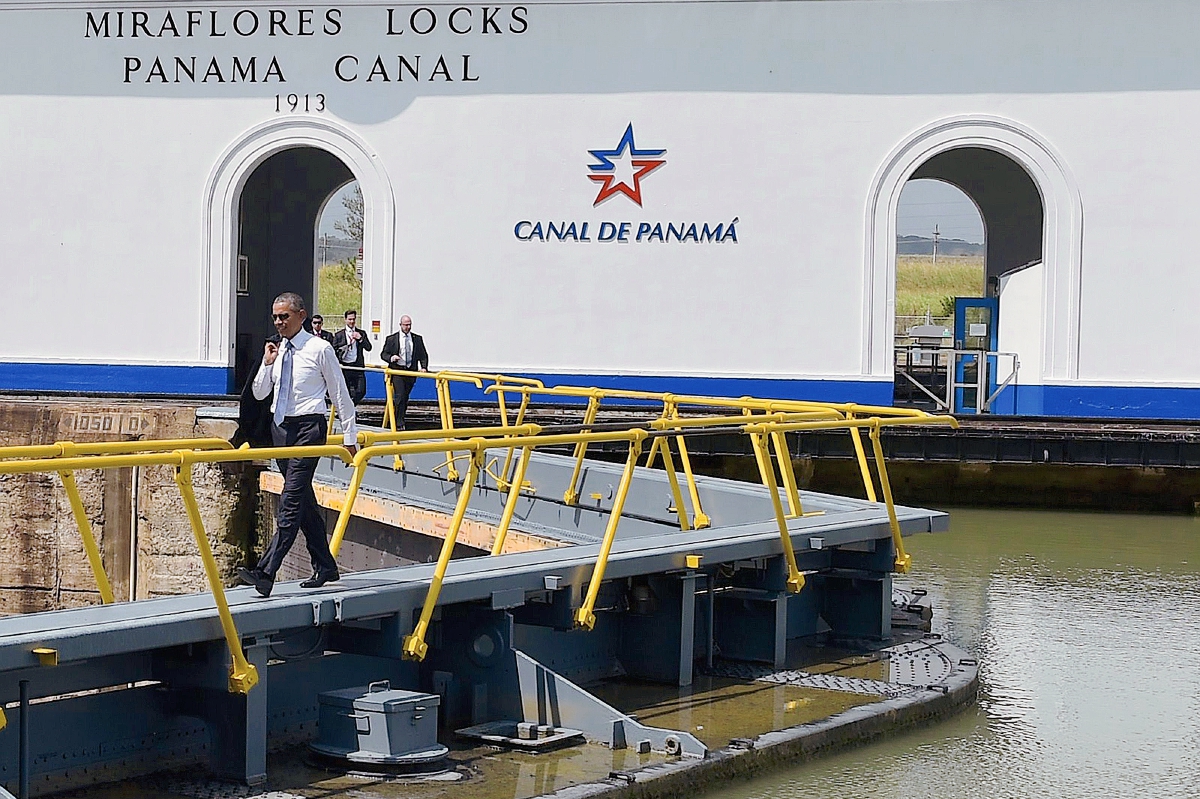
(270, 353)
(352, 449)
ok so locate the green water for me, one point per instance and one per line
(1088, 631)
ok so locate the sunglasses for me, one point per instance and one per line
(280, 317)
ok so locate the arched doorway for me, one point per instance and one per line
(277, 218)
(315, 156)
(1033, 216)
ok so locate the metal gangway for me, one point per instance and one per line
(118, 689)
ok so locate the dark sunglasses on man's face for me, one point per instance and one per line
(280, 317)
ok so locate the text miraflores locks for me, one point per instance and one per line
(297, 22)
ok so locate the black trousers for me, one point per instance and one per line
(356, 384)
(298, 509)
(402, 386)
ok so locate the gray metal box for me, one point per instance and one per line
(377, 723)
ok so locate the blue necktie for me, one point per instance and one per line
(283, 394)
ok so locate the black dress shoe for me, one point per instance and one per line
(318, 579)
(261, 582)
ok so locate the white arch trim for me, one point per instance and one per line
(1062, 235)
(223, 192)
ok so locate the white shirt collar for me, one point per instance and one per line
(301, 337)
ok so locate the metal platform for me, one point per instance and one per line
(645, 573)
(142, 686)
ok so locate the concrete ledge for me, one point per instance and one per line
(782, 748)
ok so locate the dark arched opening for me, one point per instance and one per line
(1007, 198)
(277, 216)
(934, 367)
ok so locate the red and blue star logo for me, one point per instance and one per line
(635, 164)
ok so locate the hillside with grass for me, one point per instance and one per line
(338, 290)
(921, 286)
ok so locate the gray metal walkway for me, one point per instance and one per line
(133, 687)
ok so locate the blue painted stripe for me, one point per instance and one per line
(114, 378)
(1116, 402)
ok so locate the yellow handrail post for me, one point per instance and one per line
(507, 470)
(502, 477)
(585, 617)
(339, 529)
(89, 540)
(668, 412)
(903, 559)
(414, 647)
(868, 483)
(795, 581)
(389, 415)
(571, 495)
(510, 504)
(784, 458)
(242, 674)
(443, 395)
(673, 479)
(700, 519)
(760, 457)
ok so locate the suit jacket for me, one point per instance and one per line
(391, 346)
(340, 344)
(254, 415)
(325, 334)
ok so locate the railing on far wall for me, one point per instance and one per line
(954, 381)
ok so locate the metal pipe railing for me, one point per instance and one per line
(766, 422)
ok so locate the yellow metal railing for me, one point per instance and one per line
(765, 422)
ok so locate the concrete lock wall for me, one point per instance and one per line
(146, 542)
(128, 134)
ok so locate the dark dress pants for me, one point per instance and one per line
(356, 384)
(402, 386)
(298, 509)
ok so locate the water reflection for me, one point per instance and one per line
(1087, 628)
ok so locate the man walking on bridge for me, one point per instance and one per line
(301, 369)
(404, 349)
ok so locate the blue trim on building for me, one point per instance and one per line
(1118, 402)
(86, 378)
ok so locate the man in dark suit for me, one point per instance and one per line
(350, 343)
(404, 349)
(318, 328)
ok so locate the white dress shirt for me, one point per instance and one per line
(350, 354)
(315, 373)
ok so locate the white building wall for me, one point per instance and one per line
(1021, 313)
(778, 114)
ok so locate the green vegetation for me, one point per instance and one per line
(338, 290)
(921, 286)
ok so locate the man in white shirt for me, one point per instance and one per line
(301, 370)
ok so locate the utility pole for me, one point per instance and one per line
(324, 248)
(935, 244)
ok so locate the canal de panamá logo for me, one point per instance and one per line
(620, 170)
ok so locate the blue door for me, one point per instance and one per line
(976, 327)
